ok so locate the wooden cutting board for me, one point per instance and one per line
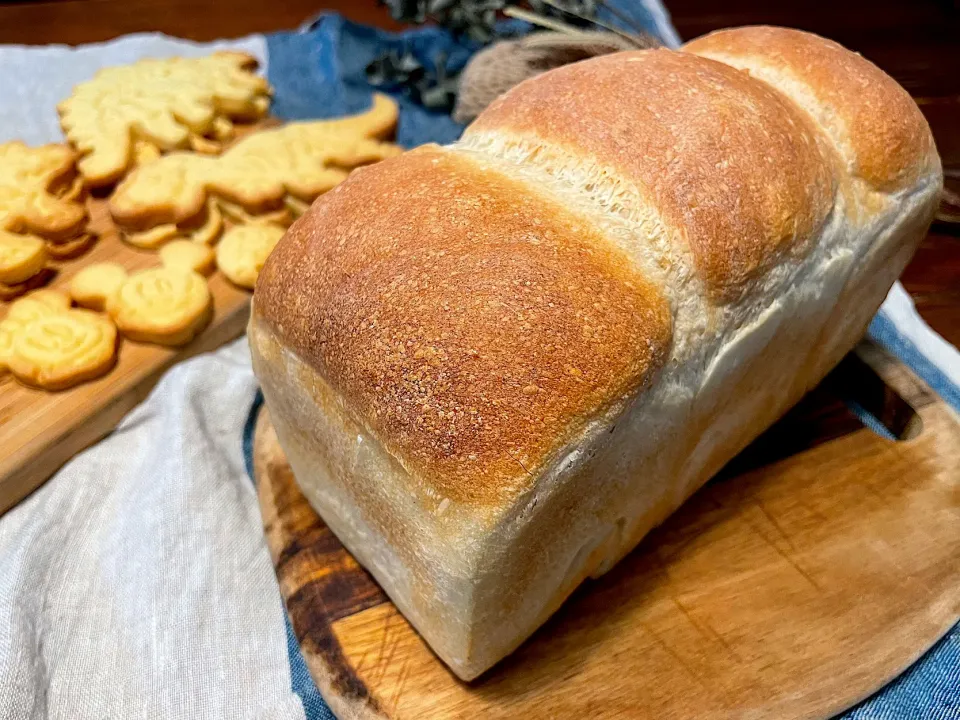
(40, 430)
(817, 566)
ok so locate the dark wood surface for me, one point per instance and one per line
(83, 21)
(916, 41)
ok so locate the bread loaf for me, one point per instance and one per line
(495, 366)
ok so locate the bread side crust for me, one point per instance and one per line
(421, 553)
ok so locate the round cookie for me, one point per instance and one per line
(205, 146)
(243, 251)
(61, 349)
(153, 238)
(167, 306)
(281, 216)
(208, 233)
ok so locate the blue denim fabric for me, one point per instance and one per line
(319, 72)
(928, 690)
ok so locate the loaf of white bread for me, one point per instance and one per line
(495, 366)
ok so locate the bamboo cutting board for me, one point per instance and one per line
(821, 563)
(40, 430)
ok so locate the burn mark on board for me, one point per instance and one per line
(315, 601)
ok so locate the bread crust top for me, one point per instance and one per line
(470, 323)
(735, 169)
(875, 124)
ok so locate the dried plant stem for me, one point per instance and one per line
(640, 42)
(541, 21)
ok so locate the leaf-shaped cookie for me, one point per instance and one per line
(168, 104)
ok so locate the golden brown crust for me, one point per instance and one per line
(699, 138)
(889, 138)
(468, 321)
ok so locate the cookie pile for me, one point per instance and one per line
(269, 176)
(186, 181)
(41, 214)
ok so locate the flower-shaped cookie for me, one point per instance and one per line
(63, 349)
(47, 344)
(167, 305)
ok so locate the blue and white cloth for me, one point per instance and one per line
(136, 582)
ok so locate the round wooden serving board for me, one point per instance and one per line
(820, 564)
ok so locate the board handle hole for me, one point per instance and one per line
(875, 403)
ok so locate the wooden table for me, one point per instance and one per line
(916, 41)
